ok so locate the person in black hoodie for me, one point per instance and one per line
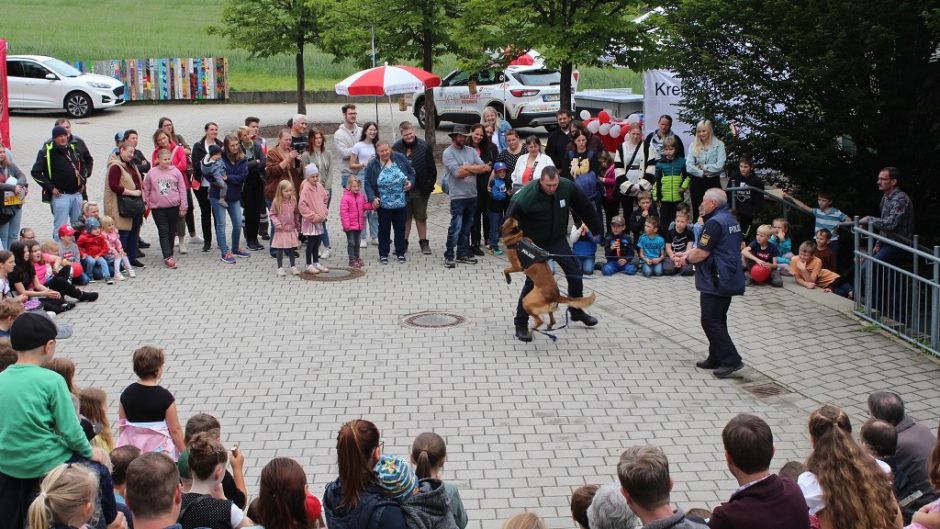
(355, 500)
(558, 139)
(253, 191)
(421, 156)
(747, 202)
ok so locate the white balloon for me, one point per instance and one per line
(605, 129)
(633, 119)
(615, 131)
(594, 126)
(585, 115)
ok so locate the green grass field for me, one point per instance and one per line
(92, 30)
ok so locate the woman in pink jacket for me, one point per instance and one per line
(165, 194)
(313, 212)
(352, 211)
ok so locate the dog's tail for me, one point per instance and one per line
(578, 303)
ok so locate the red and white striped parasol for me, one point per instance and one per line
(387, 81)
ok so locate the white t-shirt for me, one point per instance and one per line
(363, 151)
(813, 493)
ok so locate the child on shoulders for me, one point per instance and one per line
(807, 268)
(763, 254)
(618, 249)
(652, 248)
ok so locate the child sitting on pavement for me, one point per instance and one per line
(618, 249)
(94, 248)
(584, 249)
(424, 503)
(652, 248)
(644, 209)
(808, 270)
(116, 249)
(761, 253)
(781, 239)
(69, 253)
(679, 240)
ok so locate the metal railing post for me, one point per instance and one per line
(915, 293)
(935, 312)
(868, 276)
(857, 260)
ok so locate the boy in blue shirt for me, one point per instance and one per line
(618, 249)
(828, 217)
(652, 248)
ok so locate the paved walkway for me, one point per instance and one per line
(284, 362)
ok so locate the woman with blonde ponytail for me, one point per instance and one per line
(66, 498)
(843, 486)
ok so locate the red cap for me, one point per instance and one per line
(66, 229)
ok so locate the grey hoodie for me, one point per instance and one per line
(428, 507)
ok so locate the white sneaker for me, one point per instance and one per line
(364, 244)
(119, 276)
(281, 272)
(195, 239)
(321, 268)
(326, 253)
(294, 271)
(182, 248)
(132, 273)
(311, 269)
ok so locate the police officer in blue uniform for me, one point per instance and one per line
(718, 277)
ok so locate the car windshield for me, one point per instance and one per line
(61, 68)
(539, 77)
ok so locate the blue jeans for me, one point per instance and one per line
(96, 268)
(10, 231)
(650, 270)
(373, 219)
(612, 267)
(130, 238)
(461, 220)
(65, 210)
(235, 214)
(496, 220)
(587, 265)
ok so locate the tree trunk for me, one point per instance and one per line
(565, 88)
(299, 64)
(430, 134)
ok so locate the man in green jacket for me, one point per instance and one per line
(542, 208)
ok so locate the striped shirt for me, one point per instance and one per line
(829, 220)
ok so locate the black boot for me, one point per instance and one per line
(522, 333)
(425, 246)
(583, 317)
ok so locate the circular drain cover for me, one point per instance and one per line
(432, 320)
(335, 274)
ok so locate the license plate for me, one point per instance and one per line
(550, 97)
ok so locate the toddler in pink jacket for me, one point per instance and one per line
(352, 211)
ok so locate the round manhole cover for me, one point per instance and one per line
(335, 274)
(432, 320)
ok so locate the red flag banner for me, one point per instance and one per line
(4, 100)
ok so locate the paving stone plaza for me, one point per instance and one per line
(284, 362)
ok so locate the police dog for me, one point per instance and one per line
(544, 297)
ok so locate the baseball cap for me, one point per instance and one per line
(31, 330)
(66, 229)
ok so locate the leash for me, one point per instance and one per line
(552, 336)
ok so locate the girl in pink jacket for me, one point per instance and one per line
(313, 212)
(283, 216)
(352, 211)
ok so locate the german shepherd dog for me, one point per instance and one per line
(545, 297)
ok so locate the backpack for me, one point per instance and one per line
(588, 185)
(498, 190)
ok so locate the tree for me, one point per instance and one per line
(565, 32)
(404, 31)
(827, 93)
(271, 27)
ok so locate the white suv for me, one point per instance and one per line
(37, 82)
(526, 96)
